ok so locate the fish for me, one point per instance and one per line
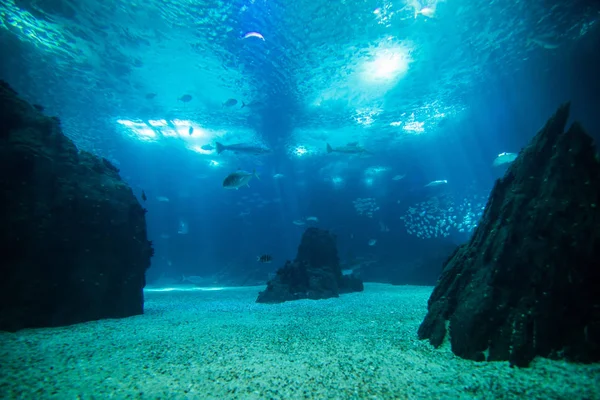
(350, 148)
(298, 222)
(144, 196)
(425, 11)
(150, 96)
(191, 130)
(545, 42)
(504, 158)
(242, 148)
(239, 178)
(372, 242)
(229, 103)
(254, 35)
(207, 147)
(162, 199)
(186, 98)
(398, 177)
(278, 176)
(312, 219)
(265, 258)
(436, 183)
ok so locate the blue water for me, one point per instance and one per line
(435, 90)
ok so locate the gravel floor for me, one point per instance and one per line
(222, 345)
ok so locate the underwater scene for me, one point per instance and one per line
(268, 199)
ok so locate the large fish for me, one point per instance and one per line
(350, 148)
(242, 148)
(239, 178)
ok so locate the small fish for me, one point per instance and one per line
(144, 196)
(239, 178)
(265, 258)
(436, 183)
(229, 103)
(312, 219)
(242, 148)
(150, 96)
(278, 176)
(207, 147)
(162, 199)
(350, 148)
(425, 11)
(504, 158)
(254, 35)
(398, 177)
(186, 98)
(372, 242)
(298, 222)
(191, 130)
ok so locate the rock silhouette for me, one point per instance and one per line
(527, 284)
(73, 237)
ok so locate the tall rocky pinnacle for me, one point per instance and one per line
(527, 284)
(73, 241)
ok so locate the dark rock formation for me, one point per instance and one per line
(314, 274)
(73, 238)
(528, 282)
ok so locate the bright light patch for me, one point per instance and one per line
(415, 127)
(184, 289)
(396, 123)
(365, 116)
(300, 151)
(161, 122)
(147, 131)
(387, 65)
(126, 122)
(214, 163)
(169, 132)
(139, 128)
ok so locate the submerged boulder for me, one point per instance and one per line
(314, 274)
(527, 284)
(73, 239)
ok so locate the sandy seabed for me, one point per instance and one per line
(220, 344)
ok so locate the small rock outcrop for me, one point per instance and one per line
(73, 236)
(314, 274)
(528, 282)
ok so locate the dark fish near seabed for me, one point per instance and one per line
(191, 130)
(150, 96)
(186, 98)
(207, 147)
(144, 196)
(265, 258)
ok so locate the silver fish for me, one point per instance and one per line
(242, 148)
(350, 148)
(239, 178)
